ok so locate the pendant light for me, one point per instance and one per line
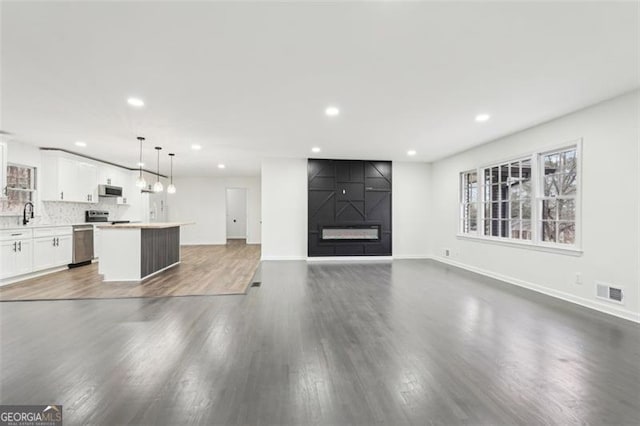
(171, 189)
(157, 187)
(140, 182)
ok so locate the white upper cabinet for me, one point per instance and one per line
(69, 179)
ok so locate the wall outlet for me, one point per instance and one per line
(578, 278)
(447, 252)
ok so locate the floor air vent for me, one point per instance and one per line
(608, 292)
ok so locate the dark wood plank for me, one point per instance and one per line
(408, 342)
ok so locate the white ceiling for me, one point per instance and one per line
(249, 80)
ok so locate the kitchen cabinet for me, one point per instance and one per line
(16, 253)
(30, 250)
(52, 249)
(69, 179)
(3, 169)
(87, 182)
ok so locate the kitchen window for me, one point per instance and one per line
(531, 200)
(20, 189)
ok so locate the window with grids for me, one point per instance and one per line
(533, 199)
(469, 202)
(559, 182)
(506, 200)
(20, 188)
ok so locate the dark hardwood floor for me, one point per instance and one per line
(204, 270)
(408, 342)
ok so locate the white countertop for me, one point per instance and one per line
(39, 225)
(154, 225)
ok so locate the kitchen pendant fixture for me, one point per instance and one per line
(140, 182)
(171, 189)
(157, 187)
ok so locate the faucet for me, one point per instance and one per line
(25, 218)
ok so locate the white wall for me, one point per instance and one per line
(610, 180)
(411, 210)
(284, 209)
(203, 200)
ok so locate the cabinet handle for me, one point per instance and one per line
(19, 245)
(57, 242)
(62, 195)
(54, 241)
(15, 246)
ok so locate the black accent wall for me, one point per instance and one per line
(351, 196)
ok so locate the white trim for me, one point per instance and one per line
(591, 304)
(524, 244)
(411, 256)
(352, 259)
(263, 258)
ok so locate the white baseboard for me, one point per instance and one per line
(283, 258)
(411, 256)
(353, 259)
(591, 304)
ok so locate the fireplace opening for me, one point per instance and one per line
(351, 233)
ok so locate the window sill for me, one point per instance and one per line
(567, 251)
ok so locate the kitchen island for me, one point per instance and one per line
(135, 251)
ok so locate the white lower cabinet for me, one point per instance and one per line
(24, 251)
(51, 251)
(16, 257)
(64, 250)
(44, 253)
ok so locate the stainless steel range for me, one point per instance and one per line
(96, 216)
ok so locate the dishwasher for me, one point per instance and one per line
(82, 245)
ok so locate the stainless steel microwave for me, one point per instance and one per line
(109, 191)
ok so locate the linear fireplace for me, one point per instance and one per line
(351, 233)
(349, 208)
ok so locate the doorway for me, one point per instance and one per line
(236, 213)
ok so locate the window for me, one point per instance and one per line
(469, 202)
(506, 200)
(20, 187)
(559, 173)
(531, 199)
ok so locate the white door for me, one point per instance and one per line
(68, 185)
(24, 259)
(44, 253)
(64, 250)
(236, 213)
(8, 258)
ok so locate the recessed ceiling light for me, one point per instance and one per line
(481, 118)
(196, 147)
(80, 143)
(140, 164)
(221, 166)
(411, 152)
(315, 149)
(135, 102)
(332, 111)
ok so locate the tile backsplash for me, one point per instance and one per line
(57, 212)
